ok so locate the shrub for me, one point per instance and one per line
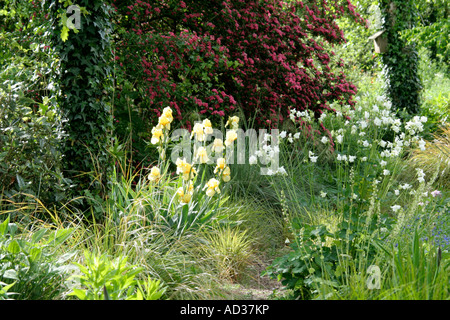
(30, 265)
(213, 57)
(30, 123)
(103, 279)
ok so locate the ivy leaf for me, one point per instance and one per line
(64, 33)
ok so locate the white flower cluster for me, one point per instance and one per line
(415, 125)
(306, 115)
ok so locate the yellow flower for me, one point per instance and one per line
(217, 145)
(226, 174)
(198, 132)
(167, 112)
(185, 169)
(212, 187)
(155, 174)
(220, 164)
(233, 122)
(223, 169)
(164, 122)
(231, 136)
(202, 155)
(207, 126)
(185, 197)
(156, 135)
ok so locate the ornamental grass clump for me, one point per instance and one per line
(435, 154)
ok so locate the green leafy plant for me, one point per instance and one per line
(105, 279)
(29, 266)
(4, 288)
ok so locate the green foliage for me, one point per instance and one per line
(86, 84)
(30, 122)
(103, 279)
(4, 288)
(432, 28)
(301, 268)
(29, 266)
(320, 257)
(436, 90)
(401, 59)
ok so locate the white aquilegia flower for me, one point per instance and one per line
(386, 172)
(323, 194)
(420, 175)
(405, 186)
(422, 144)
(351, 158)
(396, 207)
(290, 139)
(312, 157)
(252, 160)
(339, 138)
(282, 171)
(324, 139)
(397, 192)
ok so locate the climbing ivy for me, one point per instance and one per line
(401, 59)
(86, 84)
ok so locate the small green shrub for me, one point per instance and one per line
(29, 267)
(105, 279)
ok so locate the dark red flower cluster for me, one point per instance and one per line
(212, 56)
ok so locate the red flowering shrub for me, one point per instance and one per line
(211, 57)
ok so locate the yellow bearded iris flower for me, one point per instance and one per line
(202, 155)
(155, 174)
(185, 194)
(198, 132)
(233, 122)
(167, 112)
(207, 126)
(212, 187)
(157, 133)
(185, 169)
(220, 164)
(217, 145)
(226, 174)
(164, 122)
(231, 136)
